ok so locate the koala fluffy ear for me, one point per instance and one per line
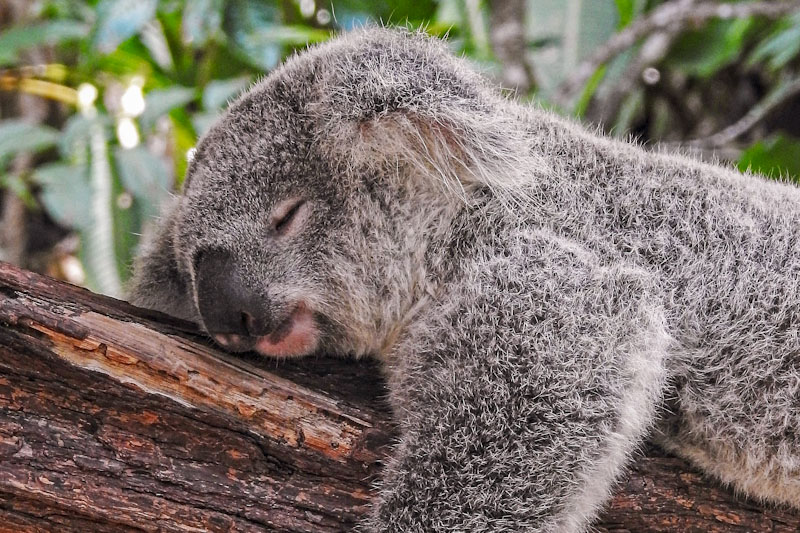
(404, 98)
(157, 282)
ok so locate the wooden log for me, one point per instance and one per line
(113, 418)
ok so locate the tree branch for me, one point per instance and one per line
(783, 93)
(653, 50)
(676, 12)
(117, 419)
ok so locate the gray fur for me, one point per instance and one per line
(543, 298)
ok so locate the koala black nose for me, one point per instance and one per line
(231, 310)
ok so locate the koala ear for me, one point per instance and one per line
(402, 98)
(448, 146)
(157, 282)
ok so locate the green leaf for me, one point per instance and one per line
(74, 136)
(246, 23)
(574, 27)
(19, 38)
(201, 20)
(202, 122)
(776, 156)
(98, 239)
(19, 136)
(449, 13)
(124, 62)
(159, 102)
(781, 46)
(631, 107)
(66, 193)
(127, 225)
(263, 45)
(119, 19)
(143, 175)
(217, 93)
(357, 13)
(293, 35)
(17, 184)
(154, 39)
(257, 35)
(589, 90)
(704, 52)
(626, 10)
(183, 139)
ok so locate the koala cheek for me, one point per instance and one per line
(298, 336)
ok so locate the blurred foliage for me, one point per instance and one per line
(138, 81)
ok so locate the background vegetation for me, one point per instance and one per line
(100, 100)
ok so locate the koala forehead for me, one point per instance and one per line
(262, 141)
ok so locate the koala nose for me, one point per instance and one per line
(232, 312)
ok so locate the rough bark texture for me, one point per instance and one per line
(117, 419)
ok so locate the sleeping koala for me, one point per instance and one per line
(542, 298)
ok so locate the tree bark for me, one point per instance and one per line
(113, 418)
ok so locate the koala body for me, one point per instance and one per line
(542, 298)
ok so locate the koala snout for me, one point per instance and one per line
(232, 313)
(239, 319)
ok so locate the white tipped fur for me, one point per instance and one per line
(447, 153)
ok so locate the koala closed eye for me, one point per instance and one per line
(289, 215)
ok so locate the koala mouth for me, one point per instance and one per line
(296, 335)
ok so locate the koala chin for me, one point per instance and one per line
(542, 298)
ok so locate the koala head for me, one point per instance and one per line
(310, 206)
(255, 227)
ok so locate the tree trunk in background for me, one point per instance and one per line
(117, 419)
(33, 109)
(509, 43)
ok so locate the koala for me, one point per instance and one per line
(542, 298)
